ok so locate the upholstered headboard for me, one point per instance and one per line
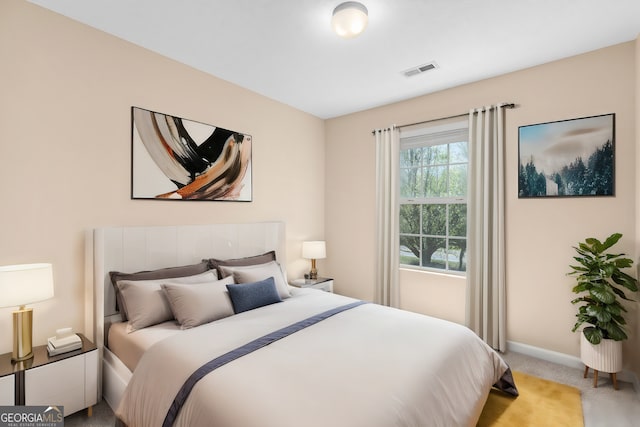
(132, 249)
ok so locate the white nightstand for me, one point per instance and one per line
(321, 283)
(69, 379)
(7, 390)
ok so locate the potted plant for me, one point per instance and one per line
(601, 286)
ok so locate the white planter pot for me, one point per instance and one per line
(604, 357)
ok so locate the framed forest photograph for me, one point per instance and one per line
(567, 158)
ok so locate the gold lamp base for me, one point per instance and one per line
(313, 274)
(22, 334)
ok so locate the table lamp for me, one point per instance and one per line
(20, 285)
(314, 250)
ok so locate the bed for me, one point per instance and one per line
(293, 357)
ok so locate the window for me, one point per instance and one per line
(433, 198)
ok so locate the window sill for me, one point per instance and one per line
(419, 270)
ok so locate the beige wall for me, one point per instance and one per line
(65, 96)
(540, 232)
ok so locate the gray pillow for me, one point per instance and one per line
(163, 273)
(144, 302)
(248, 296)
(254, 273)
(199, 303)
(239, 262)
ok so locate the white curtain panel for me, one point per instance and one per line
(387, 223)
(485, 305)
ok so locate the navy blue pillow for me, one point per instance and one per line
(247, 296)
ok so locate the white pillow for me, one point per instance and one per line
(255, 273)
(199, 303)
(145, 303)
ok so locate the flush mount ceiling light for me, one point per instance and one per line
(349, 19)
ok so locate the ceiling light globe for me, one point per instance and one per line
(349, 19)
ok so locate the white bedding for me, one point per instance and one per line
(370, 366)
(129, 347)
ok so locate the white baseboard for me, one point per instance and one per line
(566, 360)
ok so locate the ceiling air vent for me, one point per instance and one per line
(420, 69)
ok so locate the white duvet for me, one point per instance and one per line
(371, 366)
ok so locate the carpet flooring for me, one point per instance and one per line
(602, 406)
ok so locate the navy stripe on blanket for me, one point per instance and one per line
(250, 347)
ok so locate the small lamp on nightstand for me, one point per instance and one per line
(20, 285)
(314, 250)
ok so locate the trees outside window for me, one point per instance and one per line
(433, 199)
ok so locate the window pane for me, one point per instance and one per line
(410, 219)
(435, 155)
(410, 183)
(435, 181)
(410, 158)
(458, 180)
(434, 220)
(458, 220)
(409, 250)
(458, 254)
(459, 152)
(433, 252)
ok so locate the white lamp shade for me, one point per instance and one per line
(314, 250)
(25, 284)
(349, 19)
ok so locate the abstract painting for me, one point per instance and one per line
(567, 158)
(178, 159)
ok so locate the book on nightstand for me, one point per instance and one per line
(63, 342)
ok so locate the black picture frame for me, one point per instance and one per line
(567, 158)
(179, 159)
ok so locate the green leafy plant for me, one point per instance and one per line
(601, 283)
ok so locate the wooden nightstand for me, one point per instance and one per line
(322, 283)
(69, 379)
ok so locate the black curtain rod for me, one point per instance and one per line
(506, 105)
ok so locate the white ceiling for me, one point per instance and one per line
(286, 50)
